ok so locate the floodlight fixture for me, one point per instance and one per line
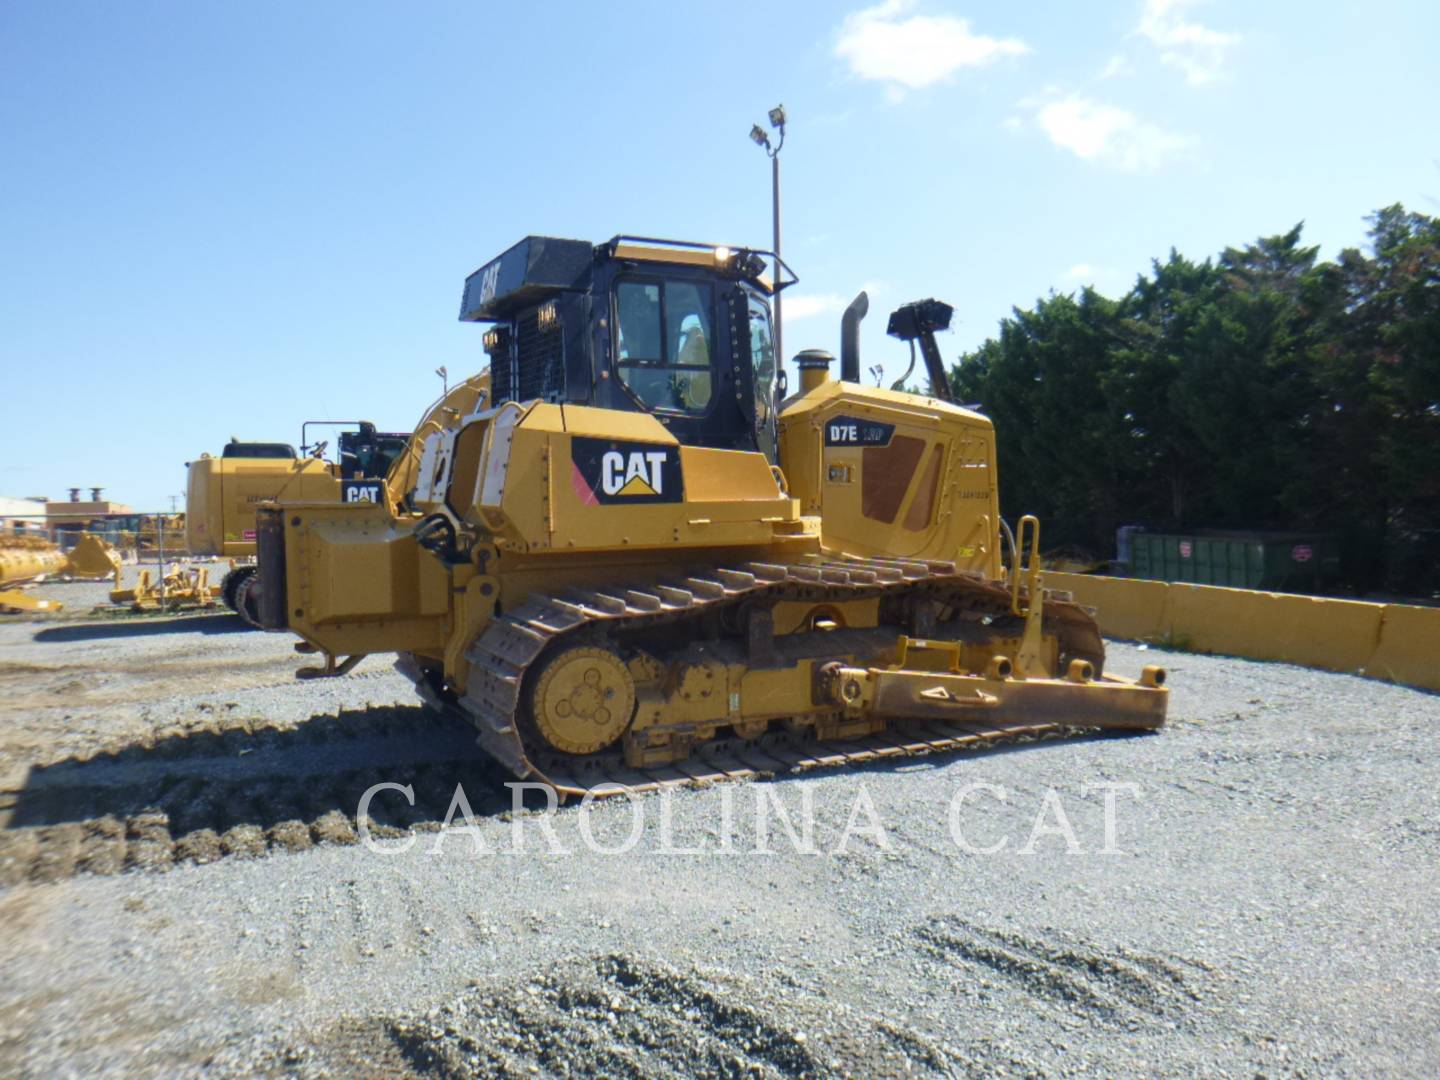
(762, 140)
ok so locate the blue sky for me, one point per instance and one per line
(227, 219)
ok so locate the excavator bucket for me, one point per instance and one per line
(91, 559)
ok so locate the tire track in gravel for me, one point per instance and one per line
(1114, 987)
(235, 789)
(131, 685)
(621, 1016)
(241, 788)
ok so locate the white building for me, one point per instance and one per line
(18, 513)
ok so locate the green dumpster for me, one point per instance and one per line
(1274, 561)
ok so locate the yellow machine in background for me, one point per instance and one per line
(223, 493)
(91, 559)
(176, 588)
(633, 559)
(158, 535)
(26, 558)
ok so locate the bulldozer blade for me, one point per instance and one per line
(1108, 702)
(15, 600)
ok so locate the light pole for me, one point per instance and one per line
(762, 140)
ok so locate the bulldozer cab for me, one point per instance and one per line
(367, 453)
(360, 450)
(680, 331)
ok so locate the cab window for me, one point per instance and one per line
(665, 333)
(762, 356)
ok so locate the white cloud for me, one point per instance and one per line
(1116, 65)
(808, 306)
(1108, 135)
(1196, 50)
(918, 51)
(1080, 271)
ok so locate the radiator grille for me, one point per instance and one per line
(502, 375)
(540, 360)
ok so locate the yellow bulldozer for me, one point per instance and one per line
(630, 557)
(222, 493)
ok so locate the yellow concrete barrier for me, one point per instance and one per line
(1396, 642)
(1336, 634)
(1409, 648)
(1137, 610)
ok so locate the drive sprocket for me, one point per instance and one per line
(583, 699)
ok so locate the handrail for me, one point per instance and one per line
(1031, 568)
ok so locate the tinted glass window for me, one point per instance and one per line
(665, 333)
(258, 450)
(762, 356)
(639, 306)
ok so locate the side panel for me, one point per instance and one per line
(204, 528)
(222, 495)
(583, 479)
(894, 474)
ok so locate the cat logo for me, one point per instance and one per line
(639, 472)
(361, 491)
(489, 279)
(604, 471)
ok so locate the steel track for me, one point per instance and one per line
(507, 650)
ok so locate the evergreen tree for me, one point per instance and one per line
(1258, 390)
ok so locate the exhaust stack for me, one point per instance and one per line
(850, 338)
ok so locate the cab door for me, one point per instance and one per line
(673, 352)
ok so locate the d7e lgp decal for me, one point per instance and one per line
(850, 431)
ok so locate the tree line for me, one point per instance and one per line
(1260, 389)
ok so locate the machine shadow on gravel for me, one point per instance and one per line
(241, 789)
(145, 626)
(238, 788)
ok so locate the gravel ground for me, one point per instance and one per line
(182, 889)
